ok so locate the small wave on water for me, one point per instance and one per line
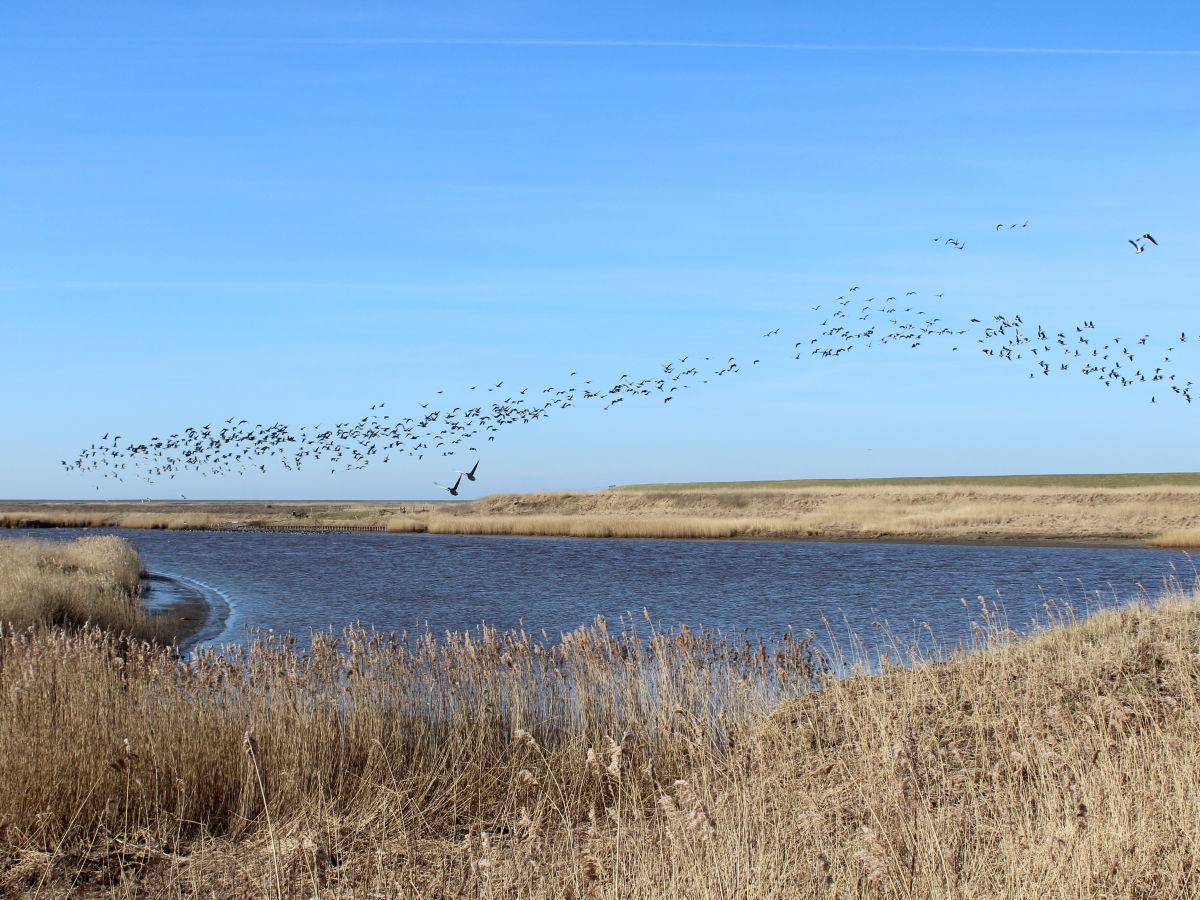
(912, 594)
(166, 590)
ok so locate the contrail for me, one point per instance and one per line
(755, 45)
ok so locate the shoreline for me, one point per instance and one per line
(181, 612)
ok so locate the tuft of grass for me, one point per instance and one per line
(88, 581)
(1180, 539)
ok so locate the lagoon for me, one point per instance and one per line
(296, 582)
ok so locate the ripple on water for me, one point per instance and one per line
(294, 582)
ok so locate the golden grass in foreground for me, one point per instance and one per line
(1065, 765)
(89, 580)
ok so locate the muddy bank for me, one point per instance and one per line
(185, 613)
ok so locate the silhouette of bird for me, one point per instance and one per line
(237, 446)
(454, 489)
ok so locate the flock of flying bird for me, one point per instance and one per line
(851, 322)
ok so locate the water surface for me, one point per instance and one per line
(294, 582)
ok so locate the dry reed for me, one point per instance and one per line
(611, 763)
(92, 580)
(928, 511)
(940, 512)
(32, 518)
(1180, 539)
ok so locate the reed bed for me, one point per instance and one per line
(597, 526)
(198, 514)
(365, 744)
(91, 580)
(1180, 539)
(1059, 480)
(628, 763)
(980, 509)
(114, 519)
(949, 512)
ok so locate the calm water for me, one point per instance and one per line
(294, 582)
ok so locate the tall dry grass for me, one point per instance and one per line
(591, 526)
(948, 512)
(937, 510)
(1179, 539)
(199, 514)
(92, 580)
(367, 744)
(493, 765)
(33, 518)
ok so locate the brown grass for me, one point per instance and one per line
(1088, 481)
(609, 764)
(994, 511)
(1180, 539)
(957, 513)
(200, 514)
(591, 526)
(92, 580)
(109, 519)
(388, 756)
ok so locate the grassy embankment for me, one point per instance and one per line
(1063, 765)
(93, 580)
(1159, 509)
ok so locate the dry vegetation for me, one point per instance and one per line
(92, 580)
(1064, 765)
(925, 512)
(1180, 539)
(197, 514)
(1063, 481)
(1160, 509)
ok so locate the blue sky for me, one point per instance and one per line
(288, 212)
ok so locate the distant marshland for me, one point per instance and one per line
(1158, 509)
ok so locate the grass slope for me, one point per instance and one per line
(1083, 482)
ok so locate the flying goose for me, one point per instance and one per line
(453, 490)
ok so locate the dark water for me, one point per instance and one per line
(294, 582)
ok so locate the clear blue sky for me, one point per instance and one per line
(288, 212)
